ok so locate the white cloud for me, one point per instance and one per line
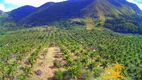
(2, 7)
(140, 6)
(35, 3)
(8, 9)
(136, 2)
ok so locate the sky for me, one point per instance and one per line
(138, 2)
(8, 5)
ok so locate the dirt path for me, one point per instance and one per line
(43, 70)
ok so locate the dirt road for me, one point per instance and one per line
(43, 70)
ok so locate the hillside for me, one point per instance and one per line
(112, 14)
(1, 12)
(22, 12)
(3, 17)
(111, 8)
(81, 8)
(57, 11)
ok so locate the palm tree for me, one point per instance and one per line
(91, 66)
(104, 64)
(96, 72)
(75, 71)
(2, 70)
(59, 75)
(27, 70)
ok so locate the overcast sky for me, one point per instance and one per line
(7, 5)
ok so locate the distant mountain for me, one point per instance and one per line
(113, 8)
(20, 13)
(50, 12)
(46, 5)
(57, 11)
(112, 14)
(1, 12)
(133, 6)
(3, 17)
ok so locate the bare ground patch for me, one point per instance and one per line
(43, 69)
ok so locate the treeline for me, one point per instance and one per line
(124, 26)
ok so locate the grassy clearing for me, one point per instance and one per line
(89, 23)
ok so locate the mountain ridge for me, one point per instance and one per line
(98, 8)
(94, 13)
(21, 12)
(60, 10)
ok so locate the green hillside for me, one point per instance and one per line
(99, 11)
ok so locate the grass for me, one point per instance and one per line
(89, 23)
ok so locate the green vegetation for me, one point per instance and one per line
(117, 15)
(76, 29)
(86, 53)
(17, 48)
(125, 25)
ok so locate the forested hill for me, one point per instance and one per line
(117, 15)
(81, 8)
(20, 13)
(1, 12)
(57, 11)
